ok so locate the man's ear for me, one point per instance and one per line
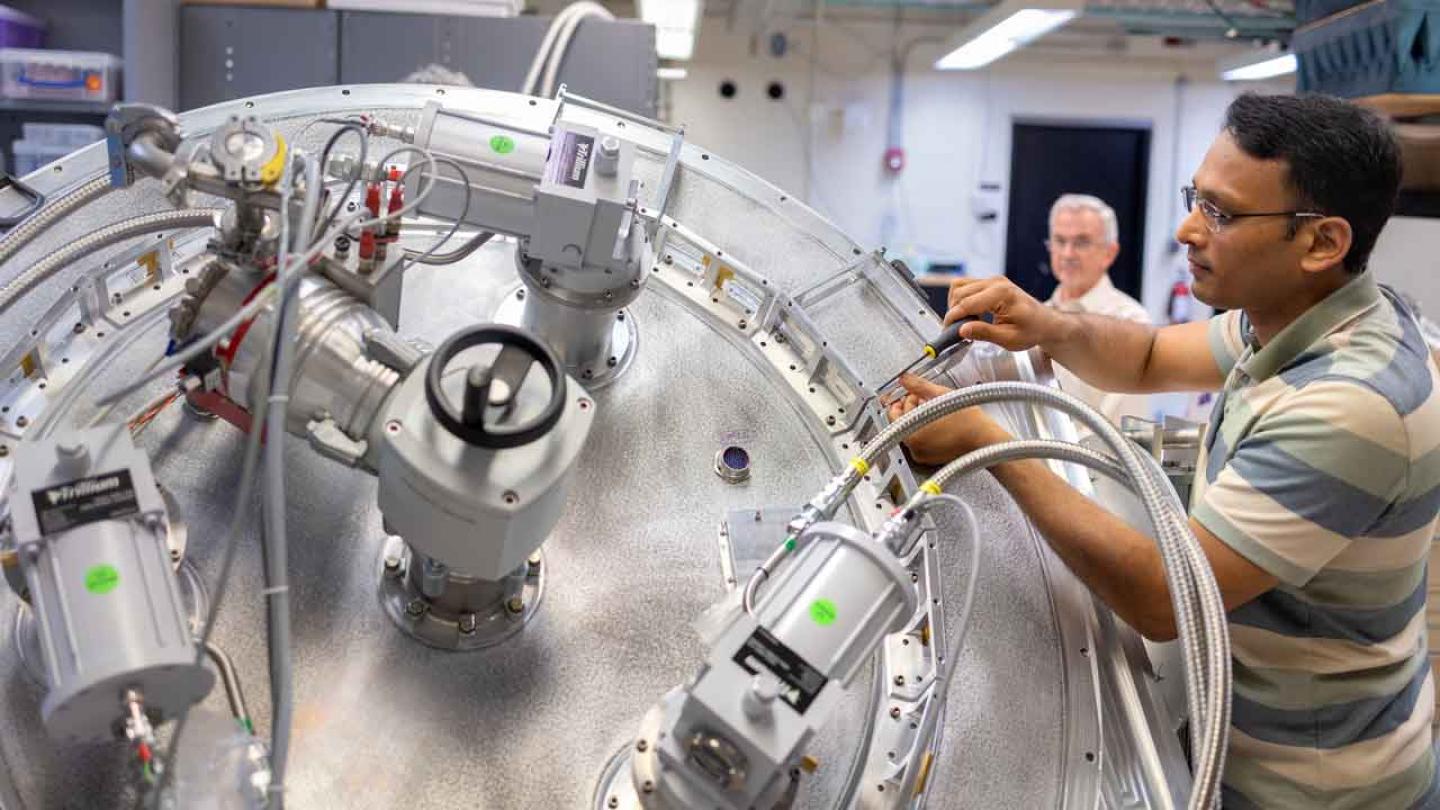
(1329, 243)
(1111, 251)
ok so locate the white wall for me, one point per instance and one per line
(827, 146)
(1406, 256)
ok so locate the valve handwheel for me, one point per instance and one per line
(496, 384)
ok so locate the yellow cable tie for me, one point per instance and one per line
(860, 465)
(930, 487)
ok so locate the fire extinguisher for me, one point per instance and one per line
(1180, 301)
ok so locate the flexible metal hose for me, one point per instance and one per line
(109, 235)
(25, 233)
(1199, 611)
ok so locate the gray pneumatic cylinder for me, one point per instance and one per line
(89, 527)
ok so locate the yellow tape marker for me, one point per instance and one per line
(860, 465)
(930, 487)
(272, 170)
(929, 351)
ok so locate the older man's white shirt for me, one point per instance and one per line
(1103, 299)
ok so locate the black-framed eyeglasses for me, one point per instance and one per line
(1216, 219)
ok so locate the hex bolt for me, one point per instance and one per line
(416, 608)
(744, 324)
(641, 746)
(515, 604)
(174, 555)
(22, 422)
(619, 316)
(647, 787)
(830, 420)
(79, 327)
(533, 561)
(612, 362)
(612, 802)
(899, 680)
(520, 293)
(467, 623)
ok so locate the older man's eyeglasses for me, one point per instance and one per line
(1216, 219)
(1059, 244)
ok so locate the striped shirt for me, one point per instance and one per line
(1321, 466)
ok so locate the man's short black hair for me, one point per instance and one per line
(1343, 160)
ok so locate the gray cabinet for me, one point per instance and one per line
(231, 52)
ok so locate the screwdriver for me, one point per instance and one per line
(948, 338)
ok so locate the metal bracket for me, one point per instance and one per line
(36, 199)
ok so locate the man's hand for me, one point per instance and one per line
(946, 439)
(1020, 322)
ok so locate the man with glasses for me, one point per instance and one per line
(1316, 493)
(1084, 241)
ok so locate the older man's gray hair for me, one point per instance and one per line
(1089, 202)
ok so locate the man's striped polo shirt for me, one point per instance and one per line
(1322, 467)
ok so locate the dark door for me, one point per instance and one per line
(1047, 160)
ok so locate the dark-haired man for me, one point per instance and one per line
(1316, 495)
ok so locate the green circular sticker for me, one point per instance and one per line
(502, 144)
(823, 612)
(101, 579)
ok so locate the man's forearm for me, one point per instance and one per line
(1109, 353)
(1121, 565)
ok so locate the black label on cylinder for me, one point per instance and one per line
(570, 158)
(800, 681)
(85, 500)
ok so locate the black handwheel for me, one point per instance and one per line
(520, 350)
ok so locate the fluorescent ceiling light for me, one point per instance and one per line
(676, 23)
(1004, 28)
(671, 73)
(1262, 64)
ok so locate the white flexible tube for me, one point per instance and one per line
(583, 10)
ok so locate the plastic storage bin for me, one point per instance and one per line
(1386, 46)
(31, 156)
(20, 30)
(70, 136)
(59, 75)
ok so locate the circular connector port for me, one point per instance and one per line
(733, 464)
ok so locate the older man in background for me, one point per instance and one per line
(1084, 241)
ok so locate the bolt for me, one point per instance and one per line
(416, 608)
(634, 283)
(79, 327)
(830, 420)
(669, 259)
(641, 745)
(914, 577)
(174, 555)
(534, 561)
(744, 324)
(520, 293)
(116, 298)
(467, 623)
(392, 565)
(4, 450)
(612, 362)
(899, 680)
(613, 802)
(619, 316)
(515, 604)
(22, 422)
(647, 787)
(609, 295)
(895, 712)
